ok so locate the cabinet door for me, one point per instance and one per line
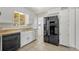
(72, 28)
(30, 36)
(26, 19)
(23, 38)
(26, 37)
(64, 27)
(77, 28)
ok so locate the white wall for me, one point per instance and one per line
(7, 14)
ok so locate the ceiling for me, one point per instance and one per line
(39, 10)
(42, 10)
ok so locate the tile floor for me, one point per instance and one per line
(42, 46)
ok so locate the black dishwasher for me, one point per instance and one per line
(11, 42)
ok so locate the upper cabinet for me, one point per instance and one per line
(20, 19)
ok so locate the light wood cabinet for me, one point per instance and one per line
(22, 19)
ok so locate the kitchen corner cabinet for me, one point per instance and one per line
(26, 37)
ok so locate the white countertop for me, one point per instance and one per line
(8, 30)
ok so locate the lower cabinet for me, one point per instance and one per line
(26, 37)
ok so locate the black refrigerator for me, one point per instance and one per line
(51, 30)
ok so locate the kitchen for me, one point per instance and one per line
(16, 24)
(20, 27)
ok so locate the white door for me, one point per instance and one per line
(64, 27)
(77, 28)
(40, 28)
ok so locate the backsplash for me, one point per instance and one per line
(10, 25)
(6, 25)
